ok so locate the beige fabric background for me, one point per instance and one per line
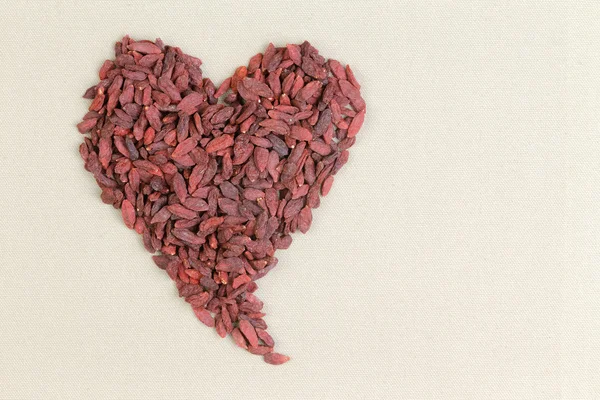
(456, 257)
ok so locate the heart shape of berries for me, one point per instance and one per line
(215, 188)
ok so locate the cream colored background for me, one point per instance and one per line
(457, 256)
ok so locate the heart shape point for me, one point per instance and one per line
(216, 187)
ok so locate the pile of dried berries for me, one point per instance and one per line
(217, 187)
